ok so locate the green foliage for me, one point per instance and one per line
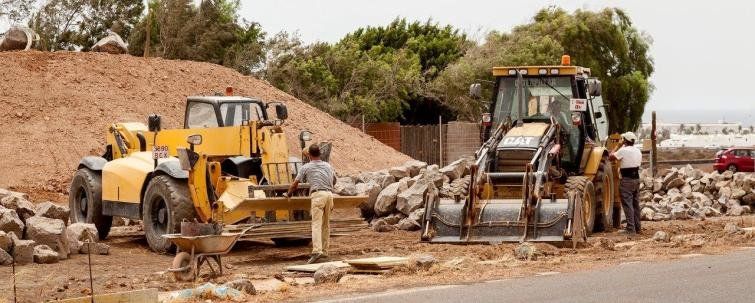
(16, 10)
(604, 41)
(209, 32)
(79, 24)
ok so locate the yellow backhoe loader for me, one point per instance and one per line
(543, 173)
(228, 165)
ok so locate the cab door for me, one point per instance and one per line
(600, 117)
(746, 160)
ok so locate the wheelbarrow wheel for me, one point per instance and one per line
(183, 259)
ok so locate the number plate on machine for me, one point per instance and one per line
(578, 105)
(159, 152)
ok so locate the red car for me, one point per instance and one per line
(735, 159)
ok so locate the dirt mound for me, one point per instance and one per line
(55, 108)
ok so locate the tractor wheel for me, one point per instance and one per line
(604, 193)
(166, 203)
(584, 188)
(85, 201)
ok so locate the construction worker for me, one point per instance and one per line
(631, 159)
(321, 178)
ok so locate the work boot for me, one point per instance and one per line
(315, 257)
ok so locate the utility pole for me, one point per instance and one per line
(653, 153)
(149, 33)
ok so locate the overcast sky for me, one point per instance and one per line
(704, 51)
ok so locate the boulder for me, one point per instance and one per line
(647, 214)
(678, 212)
(670, 176)
(674, 183)
(48, 232)
(455, 170)
(5, 193)
(6, 243)
(23, 207)
(661, 236)
(112, 44)
(242, 285)
(526, 251)
(43, 254)
(412, 198)
(18, 38)
(384, 180)
(5, 258)
(408, 224)
(345, 187)
(731, 228)
(78, 233)
(415, 167)
(23, 250)
(379, 225)
(329, 273)
(737, 193)
(54, 211)
(386, 200)
(399, 172)
(97, 248)
(10, 222)
(371, 190)
(393, 219)
(425, 262)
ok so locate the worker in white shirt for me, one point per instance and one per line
(631, 159)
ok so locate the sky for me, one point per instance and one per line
(703, 51)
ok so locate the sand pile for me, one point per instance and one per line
(55, 108)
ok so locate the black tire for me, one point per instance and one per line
(166, 203)
(85, 201)
(584, 188)
(181, 260)
(604, 196)
(732, 168)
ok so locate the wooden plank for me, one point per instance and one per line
(134, 296)
(314, 267)
(369, 271)
(378, 262)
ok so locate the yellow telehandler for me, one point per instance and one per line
(228, 165)
(543, 173)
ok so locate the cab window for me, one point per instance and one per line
(201, 115)
(234, 113)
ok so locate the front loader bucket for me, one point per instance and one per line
(499, 220)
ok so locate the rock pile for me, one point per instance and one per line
(689, 193)
(396, 196)
(40, 233)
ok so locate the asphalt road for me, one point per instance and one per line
(725, 278)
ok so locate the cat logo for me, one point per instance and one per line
(521, 141)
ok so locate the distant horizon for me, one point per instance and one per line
(744, 116)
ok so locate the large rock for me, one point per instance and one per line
(23, 207)
(5, 258)
(414, 167)
(5, 241)
(379, 225)
(399, 172)
(371, 190)
(54, 211)
(49, 232)
(43, 254)
(386, 200)
(408, 224)
(112, 44)
(242, 285)
(5, 193)
(670, 176)
(661, 236)
(674, 183)
(78, 233)
(345, 187)
(455, 170)
(10, 222)
(329, 273)
(412, 198)
(647, 213)
(97, 248)
(23, 250)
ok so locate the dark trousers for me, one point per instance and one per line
(630, 202)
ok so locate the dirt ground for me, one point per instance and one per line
(56, 107)
(132, 265)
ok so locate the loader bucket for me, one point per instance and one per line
(498, 221)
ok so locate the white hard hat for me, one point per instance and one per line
(629, 136)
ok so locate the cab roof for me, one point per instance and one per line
(222, 99)
(541, 70)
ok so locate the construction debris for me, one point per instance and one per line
(18, 38)
(378, 263)
(689, 193)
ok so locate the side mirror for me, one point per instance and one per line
(154, 123)
(475, 91)
(281, 111)
(194, 140)
(594, 87)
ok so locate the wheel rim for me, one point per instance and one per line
(159, 216)
(82, 203)
(606, 195)
(732, 168)
(587, 209)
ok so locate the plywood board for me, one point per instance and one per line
(314, 267)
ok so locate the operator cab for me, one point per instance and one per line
(221, 111)
(565, 93)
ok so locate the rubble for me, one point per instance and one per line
(20, 205)
(689, 193)
(5, 241)
(10, 222)
(23, 250)
(43, 254)
(54, 211)
(329, 274)
(97, 248)
(48, 232)
(5, 258)
(78, 233)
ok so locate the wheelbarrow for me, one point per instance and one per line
(195, 251)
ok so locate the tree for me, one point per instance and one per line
(56, 23)
(604, 41)
(16, 10)
(697, 128)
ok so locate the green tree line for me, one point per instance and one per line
(407, 71)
